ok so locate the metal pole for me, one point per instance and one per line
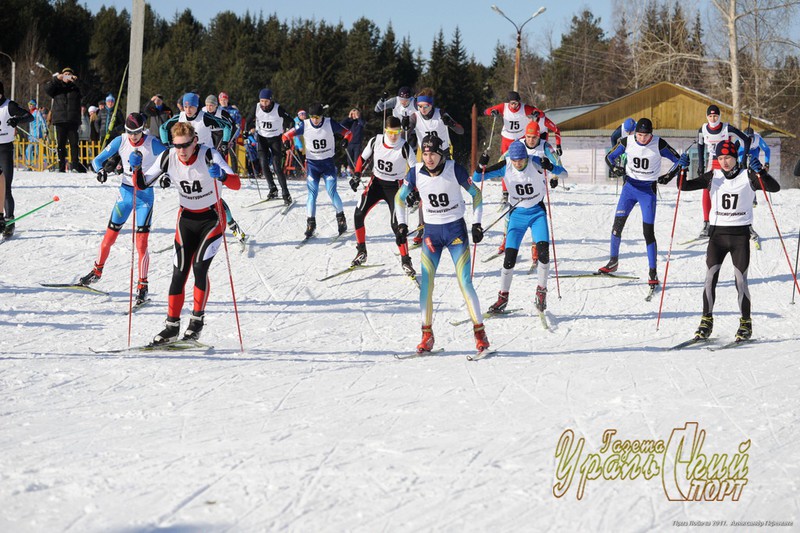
(517, 59)
(135, 57)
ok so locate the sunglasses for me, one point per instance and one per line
(392, 131)
(180, 146)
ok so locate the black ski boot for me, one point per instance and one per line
(141, 295)
(311, 226)
(361, 255)
(500, 305)
(273, 193)
(704, 231)
(745, 330)
(408, 268)
(652, 277)
(172, 328)
(341, 222)
(237, 232)
(610, 267)
(705, 327)
(196, 323)
(91, 277)
(8, 231)
(287, 200)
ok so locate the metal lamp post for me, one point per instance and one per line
(13, 74)
(519, 38)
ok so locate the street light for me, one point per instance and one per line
(519, 38)
(44, 67)
(13, 74)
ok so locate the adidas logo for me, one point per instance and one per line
(457, 241)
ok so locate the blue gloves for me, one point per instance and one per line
(683, 162)
(215, 171)
(756, 166)
(135, 159)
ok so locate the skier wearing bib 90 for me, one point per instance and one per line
(731, 190)
(644, 153)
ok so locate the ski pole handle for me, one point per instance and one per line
(55, 199)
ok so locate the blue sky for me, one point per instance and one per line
(481, 27)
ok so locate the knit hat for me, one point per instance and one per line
(726, 148)
(533, 129)
(67, 70)
(191, 99)
(712, 109)
(110, 98)
(432, 143)
(211, 99)
(513, 96)
(315, 110)
(517, 150)
(265, 94)
(93, 109)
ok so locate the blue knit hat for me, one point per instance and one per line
(517, 150)
(265, 94)
(110, 98)
(191, 99)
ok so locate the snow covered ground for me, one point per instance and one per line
(317, 427)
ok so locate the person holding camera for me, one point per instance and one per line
(66, 116)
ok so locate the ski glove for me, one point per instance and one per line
(495, 113)
(683, 162)
(102, 175)
(135, 160)
(405, 122)
(559, 151)
(484, 159)
(164, 181)
(215, 171)
(756, 166)
(547, 164)
(287, 144)
(618, 171)
(553, 183)
(663, 180)
(477, 233)
(223, 148)
(402, 231)
(345, 143)
(355, 181)
(413, 198)
(13, 121)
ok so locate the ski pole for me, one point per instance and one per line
(796, 256)
(13, 220)
(671, 239)
(255, 177)
(116, 106)
(501, 217)
(552, 234)
(221, 213)
(783, 244)
(133, 254)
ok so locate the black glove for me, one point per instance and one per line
(553, 183)
(385, 96)
(223, 148)
(164, 181)
(484, 159)
(547, 164)
(618, 170)
(766, 167)
(449, 121)
(13, 121)
(477, 233)
(287, 144)
(402, 230)
(102, 176)
(345, 143)
(405, 122)
(413, 198)
(663, 180)
(558, 150)
(495, 113)
(355, 181)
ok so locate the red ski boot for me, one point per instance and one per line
(426, 344)
(481, 341)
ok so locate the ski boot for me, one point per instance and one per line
(652, 278)
(704, 231)
(534, 257)
(141, 295)
(500, 305)
(273, 193)
(8, 231)
(540, 300)
(361, 255)
(91, 277)
(237, 231)
(172, 328)
(341, 222)
(426, 344)
(505, 199)
(705, 327)
(311, 226)
(610, 267)
(745, 330)
(481, 341)
(408, 268)
(287, 200)
(754, 236)
(195, 327)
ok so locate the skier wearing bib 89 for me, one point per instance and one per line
(119, 151)
(439, 182)
(732, 189)
(644, 153)
(522, 174)
(200, 225)
(318, 133)
(391, 157)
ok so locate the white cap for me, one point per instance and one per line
(92, 109)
